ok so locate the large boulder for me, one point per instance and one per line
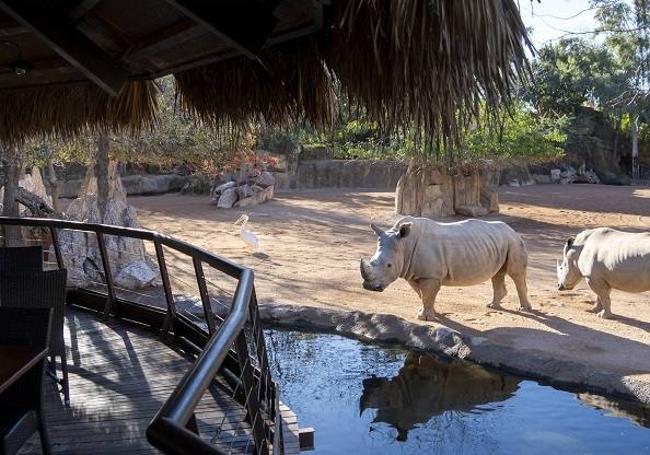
(227, 198)
(137, 275)
(244, 191)
(259, 195)
(218, 189)
(429, 191)
(265, 179)
(424, 190)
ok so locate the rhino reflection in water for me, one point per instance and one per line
(425, 387)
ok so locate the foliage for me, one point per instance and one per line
(175, 138)
(514, 135)
(572, 73)
(519, 136)
(611, 75)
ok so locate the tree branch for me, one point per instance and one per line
(36, 204)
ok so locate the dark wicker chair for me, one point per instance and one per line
(21, 259)
(41, 290)
(21, 405)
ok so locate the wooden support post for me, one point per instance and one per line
(306, 438)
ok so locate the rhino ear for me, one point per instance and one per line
(404, 230)
(568, 245)
(376, 229)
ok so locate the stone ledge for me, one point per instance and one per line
(388, 328)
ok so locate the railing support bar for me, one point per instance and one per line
(57, 247)
(205, 297)
(252, 404)
(266, 387)
(169, 297)
(110, 298)
(193, 425)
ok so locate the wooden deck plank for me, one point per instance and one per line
(120, 375)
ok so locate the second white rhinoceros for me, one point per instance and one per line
(429, 254)
(607, 259)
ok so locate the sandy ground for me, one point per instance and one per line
(314, 240)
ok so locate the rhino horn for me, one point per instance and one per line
(364, 269)
(375, 228)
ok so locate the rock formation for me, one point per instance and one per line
(130, 265)
(247, 189)
(430, 191)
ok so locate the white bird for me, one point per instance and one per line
(248, 236)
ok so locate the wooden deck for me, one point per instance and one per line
(120, 375)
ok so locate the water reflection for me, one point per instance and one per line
(636, 412)
(421, 404)
(425, 387)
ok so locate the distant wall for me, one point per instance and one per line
(341, 174)
(133, 185)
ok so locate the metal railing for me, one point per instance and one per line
(231, 361)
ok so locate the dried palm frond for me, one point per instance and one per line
(68, 109)
(422, 65)
(427, 64)
(289, 83)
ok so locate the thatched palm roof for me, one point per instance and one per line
(415, 63)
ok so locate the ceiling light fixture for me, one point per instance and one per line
(19, 66)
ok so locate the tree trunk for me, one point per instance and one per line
(53, 182)
(634, 127)
(102, 161)
(13, 169)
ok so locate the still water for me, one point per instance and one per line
(364, 399)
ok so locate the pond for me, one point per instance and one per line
(365, 399)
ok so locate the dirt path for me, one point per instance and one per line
(314, 240)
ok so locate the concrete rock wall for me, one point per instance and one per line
(133, 185)
(341, 174)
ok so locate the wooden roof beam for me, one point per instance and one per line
(164, 39)
(81, 9)
(244, 25)
(13, 31)
(56, 32)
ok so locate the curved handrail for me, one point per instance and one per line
(178, 409)
(213, 260)
(168, 430)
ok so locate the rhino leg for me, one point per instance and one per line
(416, 287)
(516, 267)
(603, 303)
(522, 290)
(499, 290)
(598, 306)
(428, 292)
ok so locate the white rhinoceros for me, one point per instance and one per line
(607, 259)
(429, 254)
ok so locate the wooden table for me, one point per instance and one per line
(15, 361)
